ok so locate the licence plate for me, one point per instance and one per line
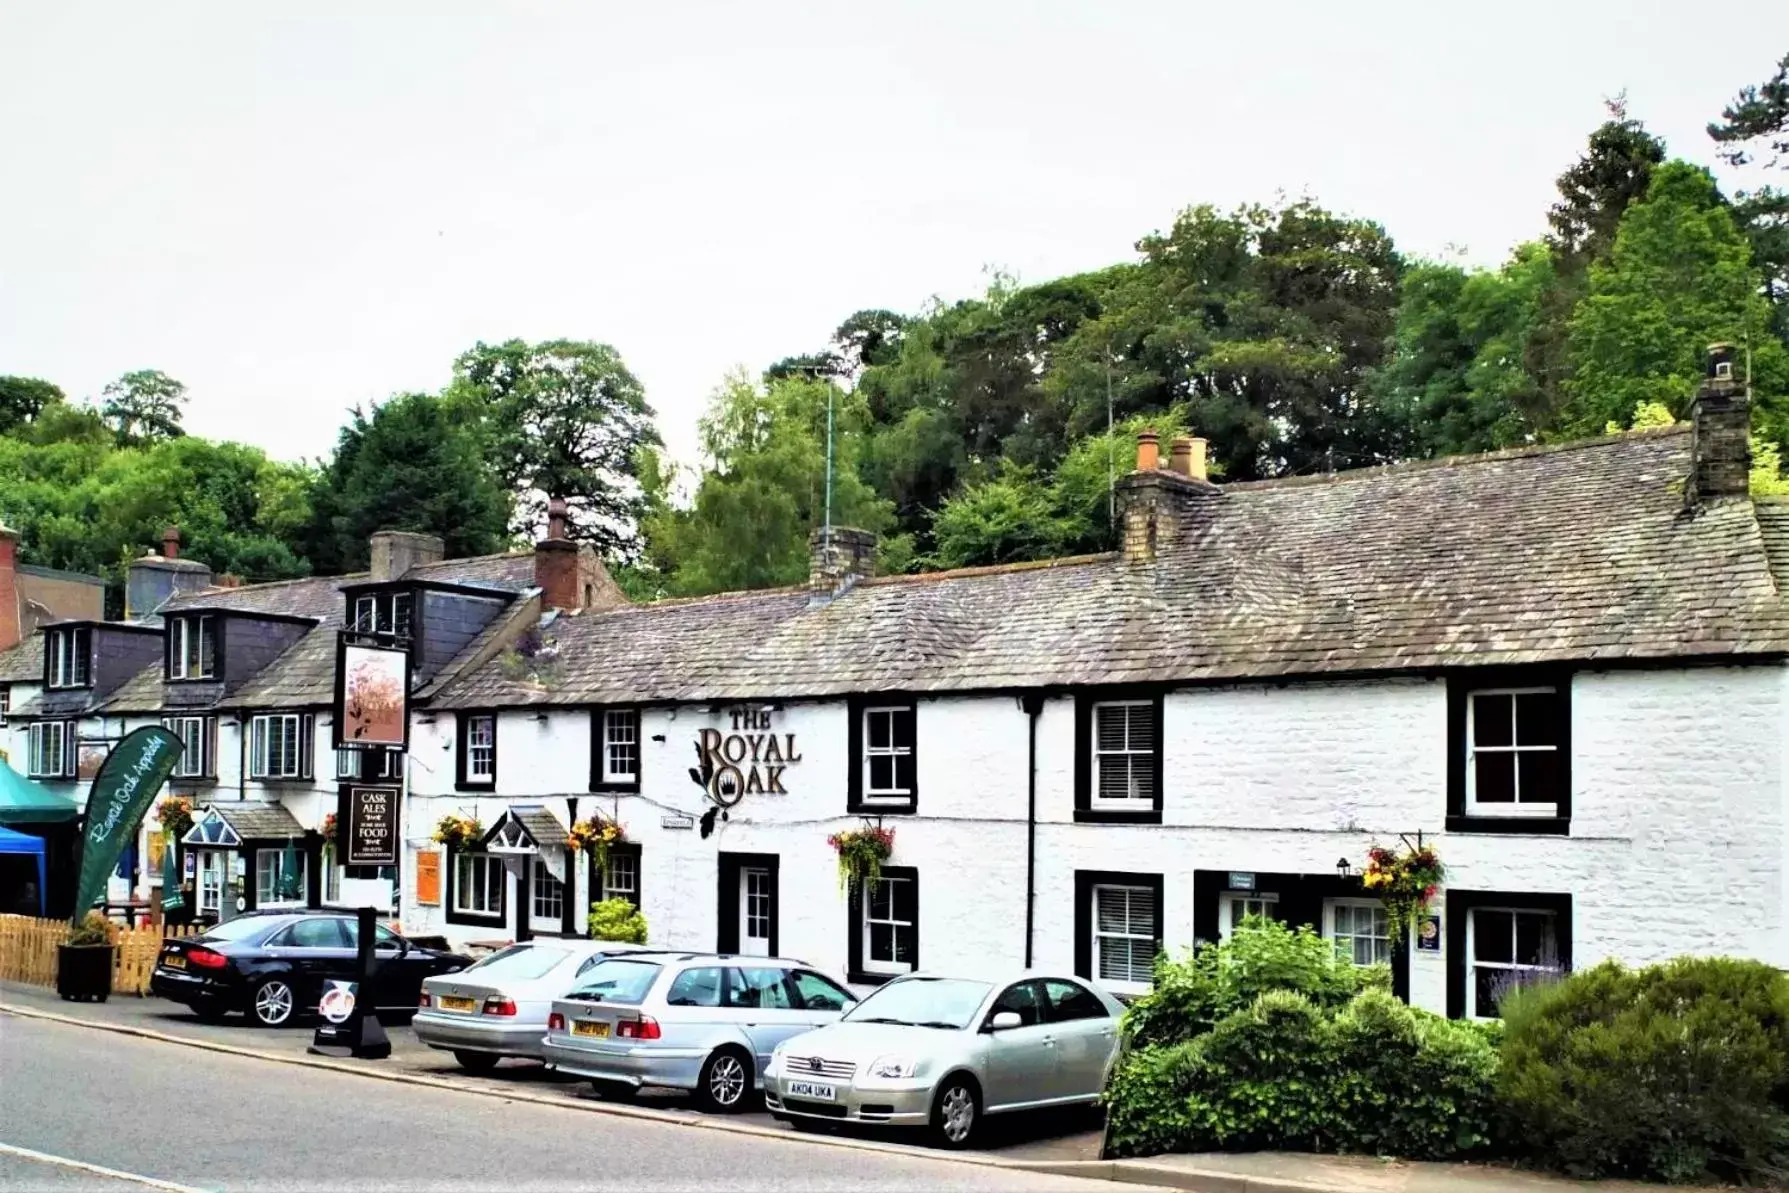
(808, 1089)
(174, 962)
(450, 1003)
(586, 1027)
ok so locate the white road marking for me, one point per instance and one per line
(98, 1170)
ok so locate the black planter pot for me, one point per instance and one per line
(84, 971)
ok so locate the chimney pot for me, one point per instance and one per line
(556, 508)
(171, 543)
(1149, 451)
(556, 565)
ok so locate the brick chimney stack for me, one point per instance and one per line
(394, 552)
(1158, 506)
(1720, 432)
(10, 615)
(837, 559)
(556, 571)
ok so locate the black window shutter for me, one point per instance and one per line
(854, 751)
(912, 933)
(1083, 921)
(1083, 755)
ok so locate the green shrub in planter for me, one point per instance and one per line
(1679, 1072)
(1192, 994)
(84, 961)
(617, 920)
(1408, 1083)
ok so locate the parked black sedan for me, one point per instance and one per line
(272, 965)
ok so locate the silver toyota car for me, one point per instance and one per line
(694, 1021)
(931, 1050)
(498, 1007)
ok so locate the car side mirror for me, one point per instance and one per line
(1005, 1021)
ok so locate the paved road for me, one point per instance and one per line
(212, 1121)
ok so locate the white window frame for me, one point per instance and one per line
(612, 865)
(621, 728)
(1519, 808)
(391, 764)
(181, 641)
(887, 965)
(1377, 910)
(209, 896)
(1128, 985)
(366, 614)
(542, 882)
(267, 879)
(1137, 800)
(347, 765)
(185, 766)
(262, 750)
(332, 874)
(466, 866)
(66, 663)
(1253, 903)
(485, 750)
(46, 761)
(5, 702)
(1473, 964)
(896, 794)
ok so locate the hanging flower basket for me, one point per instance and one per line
(456, 831)
(861, 854)
(175, 814)
(328, 829)
(1405, 882)
(596, 835)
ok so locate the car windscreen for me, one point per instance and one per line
(617, 980)
(521, 962)
(923, 1002)
(240, 929)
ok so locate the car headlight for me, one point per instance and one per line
(893, 1066)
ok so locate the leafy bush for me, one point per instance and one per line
(1678, 1072)
(1193, 994)
(617, 920)
(1286, 1073)
(95, 928)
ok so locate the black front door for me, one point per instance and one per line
(747, 904)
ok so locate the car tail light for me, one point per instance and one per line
(206, 958)
(423, 1000)
(555, 1022)
(643, 1028)
(500, 1006)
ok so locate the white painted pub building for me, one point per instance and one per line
(1564, 667)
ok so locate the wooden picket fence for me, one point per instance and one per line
(28, 951)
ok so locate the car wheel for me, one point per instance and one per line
(726, 1080)
(476, 1062)
(956, 1112)
(273, 1003)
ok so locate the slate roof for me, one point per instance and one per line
(541, 824)
(304, 674)
(1576, 552)
(24, 662)
(257, 820)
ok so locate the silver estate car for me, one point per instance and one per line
(931, 1050)
(498, 1006)
(694, 1021)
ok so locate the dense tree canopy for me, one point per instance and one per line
(144, 406)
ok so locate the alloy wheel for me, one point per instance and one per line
(726, 1080)
(956, 1112)
(273, 1003)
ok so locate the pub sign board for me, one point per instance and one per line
(372, 697)
(367, 826)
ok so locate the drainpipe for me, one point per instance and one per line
(1033, 704)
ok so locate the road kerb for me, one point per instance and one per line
(1107, 1171)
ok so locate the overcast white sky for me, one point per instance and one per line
(298, 207)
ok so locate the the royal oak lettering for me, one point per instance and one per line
(748, 758)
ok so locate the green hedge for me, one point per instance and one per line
(1678, 1072)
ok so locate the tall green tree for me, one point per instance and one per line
(1612, 173)
(144, 406)
(562, 418)
(22, 399)
(410, 463)
(1679, 277)
(1754, 126)
(764, 488)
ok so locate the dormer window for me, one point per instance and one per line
(68, 657)
(384, 613)
(192, 646)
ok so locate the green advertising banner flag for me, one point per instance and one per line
(173, 898)
(127, 781)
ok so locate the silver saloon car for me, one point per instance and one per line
(937, 1051)
(693, 1021)
(498, 1006)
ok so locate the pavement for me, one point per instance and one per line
(46, 1066)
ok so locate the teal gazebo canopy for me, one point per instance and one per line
(25, 802)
